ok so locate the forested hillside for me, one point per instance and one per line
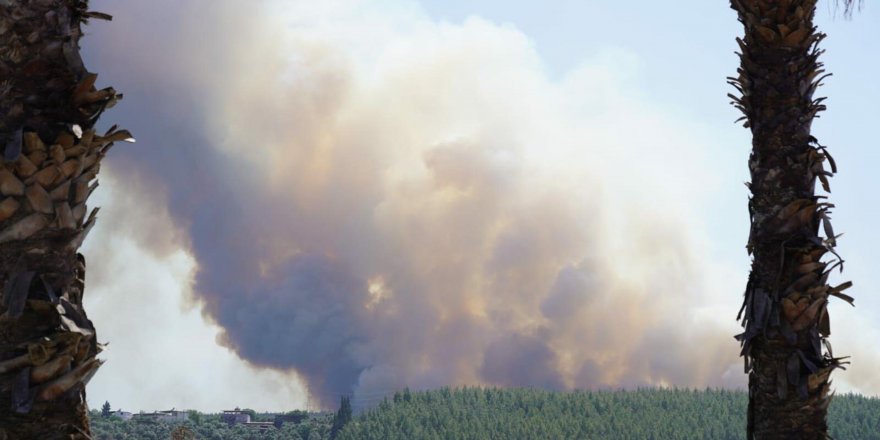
(518, 414)
(477, 414)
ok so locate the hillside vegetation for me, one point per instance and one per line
(208, 427)
(520, 414)
(651, 414)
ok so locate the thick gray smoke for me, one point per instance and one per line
(375, 200)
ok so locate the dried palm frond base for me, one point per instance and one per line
(787, 354)
(50, 159)
(47, 343)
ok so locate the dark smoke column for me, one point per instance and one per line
(51, 156)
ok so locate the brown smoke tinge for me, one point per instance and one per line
(376, 200)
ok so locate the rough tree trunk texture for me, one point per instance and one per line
(50, 158)
(784, 312)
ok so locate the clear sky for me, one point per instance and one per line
(357, 196)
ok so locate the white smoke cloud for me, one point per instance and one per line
(374, 200)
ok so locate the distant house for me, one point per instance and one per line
(171, 415)
(145, 417)
(124, 415)
(235, 416)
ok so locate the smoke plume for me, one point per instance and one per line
(377, 200)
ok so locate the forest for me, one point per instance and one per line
(489, 413)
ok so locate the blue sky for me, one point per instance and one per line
(432, 191)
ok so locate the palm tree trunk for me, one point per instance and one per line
(51, 155)
(785, 316)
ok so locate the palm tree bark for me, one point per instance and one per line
(51, 156)
(785, 317)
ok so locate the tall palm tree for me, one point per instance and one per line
(784, 313)
(50, 158)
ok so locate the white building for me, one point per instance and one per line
(173, 415)
(124, 415)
